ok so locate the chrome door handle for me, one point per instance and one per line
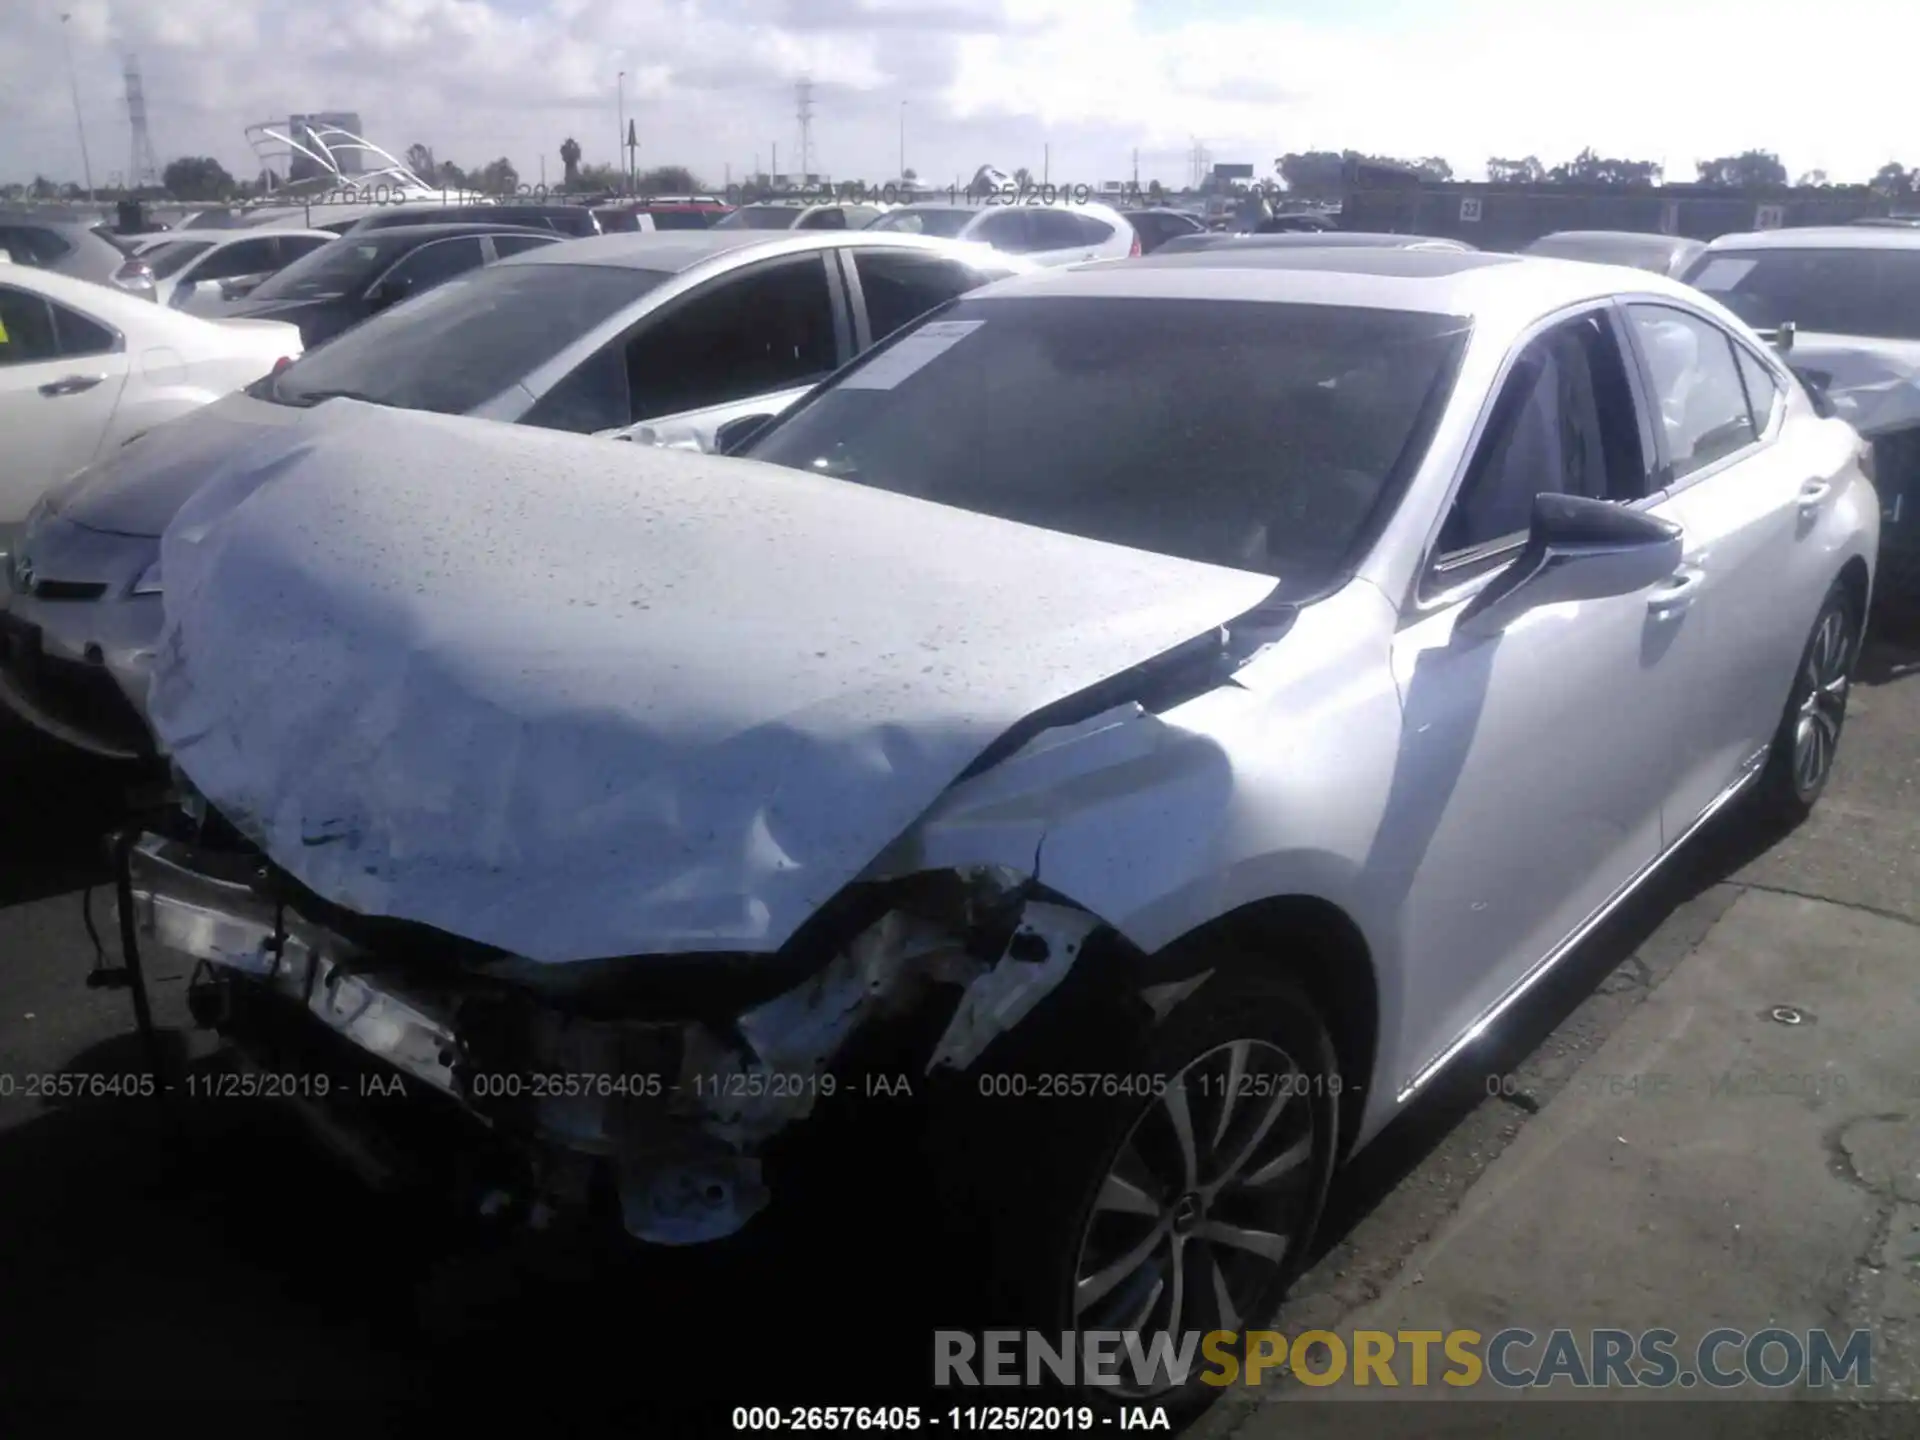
(1674, 597)
(70, 385)
(1813, 494)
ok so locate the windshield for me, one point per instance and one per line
(1839, 292)
(338, 268)
(926, 220)
(1259, 436)
(171, 257)
(463, 342)
(760, 217)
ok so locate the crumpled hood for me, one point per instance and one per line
(576, 699)
(139, 488)
(1875, 383)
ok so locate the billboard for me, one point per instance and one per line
(1233, 172)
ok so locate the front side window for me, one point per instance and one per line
(1563, 424)
(1266, 437)
(344, 267)
(1696, 385)
(831, 219)
(770, 329)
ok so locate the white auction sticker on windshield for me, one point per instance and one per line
(1722, 274)
(906, 357)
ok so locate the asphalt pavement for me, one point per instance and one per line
(201, 1263)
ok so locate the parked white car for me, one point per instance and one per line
(231, 262)
(85, 367)
(1058, 234)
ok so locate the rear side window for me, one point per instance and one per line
(26, 329)
(1093, 231)
(1697, 386)
(1838, 292)
(505, 245)
(78, 335)
(170, 259)
(899, 286)
(678, 220)
(834, 219)
(441, 260)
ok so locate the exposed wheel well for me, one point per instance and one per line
(1316, 943)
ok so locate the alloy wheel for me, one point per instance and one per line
(1823, 704)
(1195, 1218)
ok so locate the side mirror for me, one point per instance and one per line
(734, 436)
(1577, 549)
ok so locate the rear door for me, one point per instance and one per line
(1750, 489)
(61, 374)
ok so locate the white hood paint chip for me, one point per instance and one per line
(575, 699)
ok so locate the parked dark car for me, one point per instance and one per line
(574, 220)
(72, 244)
(341, 284)
(1157, 226)
(1293, 222)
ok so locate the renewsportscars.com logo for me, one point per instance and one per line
(1513, 1359)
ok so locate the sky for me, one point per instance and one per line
(1071, 89)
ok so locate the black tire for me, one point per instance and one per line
(1793, 782)
(1032, 1168)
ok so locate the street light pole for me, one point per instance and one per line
(620, 149)
(86, 165)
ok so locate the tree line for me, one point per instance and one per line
(1318, 174)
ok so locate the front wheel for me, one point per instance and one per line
(1808, 737)
(1178, 1206)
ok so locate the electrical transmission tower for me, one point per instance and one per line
(146, 170)
(803, 94)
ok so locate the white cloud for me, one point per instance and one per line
(709, 82)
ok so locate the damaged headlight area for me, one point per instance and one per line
(645, 1090)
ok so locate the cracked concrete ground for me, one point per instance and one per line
(1674, 1154)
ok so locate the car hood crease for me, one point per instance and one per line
(577, 700)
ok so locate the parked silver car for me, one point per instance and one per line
(1169, 755)
(1662, 254)
(671, 335)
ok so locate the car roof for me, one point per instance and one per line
(1322, 240)
(1470, 284)
(1823, 237)
(673, 251)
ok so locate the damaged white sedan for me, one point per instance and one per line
(1191, 699)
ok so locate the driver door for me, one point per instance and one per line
(1528, 787)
